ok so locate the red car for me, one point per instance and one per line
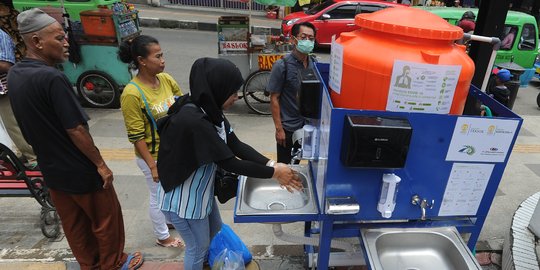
(333, 17)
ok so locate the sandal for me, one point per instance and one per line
(176, 243)
(136, 257)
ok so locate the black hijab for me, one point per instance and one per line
(188, 136)
(212, 81)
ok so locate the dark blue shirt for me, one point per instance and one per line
(288, 86)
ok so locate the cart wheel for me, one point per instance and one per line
(50, 223)
(98, 90)
(41, 193)
(255, 95)
(538, 100)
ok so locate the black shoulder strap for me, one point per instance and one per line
(285, 65)
(284, 77)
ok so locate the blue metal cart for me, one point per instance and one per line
(453, 167)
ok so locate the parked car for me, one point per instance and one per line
(333, 17)
(520, 34)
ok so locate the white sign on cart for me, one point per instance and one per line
(422, 88)
(481, 139)
(336, 66)
(465, 189)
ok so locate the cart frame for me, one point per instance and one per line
(17, 181)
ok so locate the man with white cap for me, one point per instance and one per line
(53, 122)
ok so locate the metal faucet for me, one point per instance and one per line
(423, 203)
(296, 156)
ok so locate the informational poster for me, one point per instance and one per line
(481, 139)
(336, 66)
(423, 88)
(465, 189)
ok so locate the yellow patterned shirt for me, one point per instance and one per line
(138, 124)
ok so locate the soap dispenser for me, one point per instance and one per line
(387, 199)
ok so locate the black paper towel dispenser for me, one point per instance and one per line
(309, 95)
(375, 142)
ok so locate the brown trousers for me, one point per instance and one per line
(94, 227)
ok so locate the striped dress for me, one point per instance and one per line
(194, 198)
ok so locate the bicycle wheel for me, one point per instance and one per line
(255, 95)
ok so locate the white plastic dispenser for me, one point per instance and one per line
(308, 142)
(387, 199)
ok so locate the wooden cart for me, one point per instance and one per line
(254, 54)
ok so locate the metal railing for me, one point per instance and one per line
(218, 4)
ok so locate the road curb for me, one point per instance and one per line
(199, 26)
(35, 266)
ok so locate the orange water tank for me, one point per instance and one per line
(401, 59)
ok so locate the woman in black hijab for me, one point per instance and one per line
(196, 138)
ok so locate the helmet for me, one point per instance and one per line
(468, 15)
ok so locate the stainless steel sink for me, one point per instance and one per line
(417, 249)
(258, 196)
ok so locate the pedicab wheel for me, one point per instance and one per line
(98, 90)
(50, 223)
(538, 100)
(255, 95)
(39, 190)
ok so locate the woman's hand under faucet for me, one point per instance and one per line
(287, 177)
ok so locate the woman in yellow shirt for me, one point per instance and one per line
(144, 100)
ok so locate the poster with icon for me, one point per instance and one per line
(481, 139)
(423, 88)
(465, 189)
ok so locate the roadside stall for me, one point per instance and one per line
(393, 165)
(94, 35)
(253, 53)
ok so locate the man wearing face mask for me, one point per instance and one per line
(284, 86)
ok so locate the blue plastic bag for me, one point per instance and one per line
(227, 239)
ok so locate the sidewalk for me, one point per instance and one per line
(171, 16)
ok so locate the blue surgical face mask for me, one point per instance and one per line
(305, 46)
